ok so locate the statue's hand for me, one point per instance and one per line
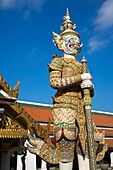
(87, 84)
(34, 144)
(86, 76)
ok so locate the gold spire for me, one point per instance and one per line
(67, 24)
(67, 16)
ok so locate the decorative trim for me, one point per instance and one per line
(102, 113)
(12, 133)
(35, 105)
(4, 94)
(7, 89)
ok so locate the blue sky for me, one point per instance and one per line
(26, 45)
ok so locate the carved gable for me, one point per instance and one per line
(9, 128)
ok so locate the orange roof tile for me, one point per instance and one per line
(103, 120)
(39, 114)
(109, 142)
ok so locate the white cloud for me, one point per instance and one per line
(95, 43)
(26, 14)
(103, 31)
(104, 19)
(18, 4)
(7, 4)
(34, 50)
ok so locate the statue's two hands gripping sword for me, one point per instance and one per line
(86, 81)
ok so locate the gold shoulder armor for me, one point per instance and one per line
(56, 64)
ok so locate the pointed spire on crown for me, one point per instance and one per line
(68, 24)
(67, 16)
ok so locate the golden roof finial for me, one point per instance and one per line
(68, 24)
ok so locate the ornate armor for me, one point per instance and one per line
(65, 76)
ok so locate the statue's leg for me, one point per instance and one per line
(83, 163)
(65, 166)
